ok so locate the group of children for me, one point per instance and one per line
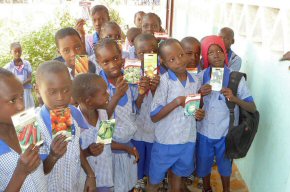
(153, 139)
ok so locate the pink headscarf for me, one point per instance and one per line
(206, 42)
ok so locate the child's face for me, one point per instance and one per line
(150, 25)
(16, 52)
(55, 89)
(111, 32)
(174, 58)
(11, 99)
(110, 60)
(192, 50)
(147, 46)
(99, 18)
(100, 99)
(216, 56)
(69, 47)
(227, 38)
(138, 20)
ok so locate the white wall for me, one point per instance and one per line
(262, 33)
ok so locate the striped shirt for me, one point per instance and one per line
(66, 172)
(146, 127)
(125, 112)
(34, 182)
(215, 124)
(175, 128)
(102, 164)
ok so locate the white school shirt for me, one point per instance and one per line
(125, 112)
(93, 59)
(146, 127)
(34, 182)
(103, 163)
(175, 128)
(215, 124)
(66, 172)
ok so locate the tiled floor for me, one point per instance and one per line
(237, 183)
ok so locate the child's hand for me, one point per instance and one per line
(121, 87)
(90, 185)
(180, 101)
(96, 149)
(80, 27)
(133, 151)
(205, 90)
(29, 160)
(228, 93)
(144, 85)
(199, 114)
(58, 146)
(154, 83)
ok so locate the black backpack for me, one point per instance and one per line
(240, 138)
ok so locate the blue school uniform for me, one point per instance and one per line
(22, 74)
(102, 164)
(125, 171)
(213, 129)
(66, 172)
(144, 136)
(235, 61)
(130, 53)
(175, 134)
(90, 42)
(34, 182)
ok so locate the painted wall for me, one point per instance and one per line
(262, 34)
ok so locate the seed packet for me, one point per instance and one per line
(192, 70)
(132, 70)
(81, 64)
(191, 104)
(150, 65)
(27, 129)
(161, 35)
(106, 130)
(216, 81)
(61, 121)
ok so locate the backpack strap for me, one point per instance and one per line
(235, 78)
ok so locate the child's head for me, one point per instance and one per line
(53, 83)
(172, 55)
(111, 30)
(100, 15)
(16, 50)
(191, 47)
(151, 23)
(109, 56)
(132, 33)
(90, 90)
(145, 43)
(228, 36)
(68, 42)
(138, 18)
(11, 96)
(213, 51)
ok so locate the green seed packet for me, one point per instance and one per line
(106, 130)
(132, 71)
(27, 129)
(191, 104)
(216, 81)
(150, 65)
